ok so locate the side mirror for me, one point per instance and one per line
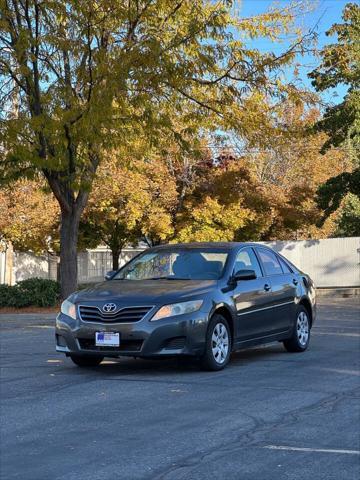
(244, 275)
(109, 274)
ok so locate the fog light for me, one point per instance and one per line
(60, 341)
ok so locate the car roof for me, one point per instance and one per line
(206, 245)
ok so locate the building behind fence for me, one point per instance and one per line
(333, 262)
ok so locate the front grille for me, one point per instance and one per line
(125, 345)
(124, 315)
(175, 343)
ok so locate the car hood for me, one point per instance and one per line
(149, 292)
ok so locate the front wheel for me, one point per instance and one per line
(218, 344)
(300, 338)
(87, 360)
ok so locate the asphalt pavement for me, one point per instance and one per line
(270, 415)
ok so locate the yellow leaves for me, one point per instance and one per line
(272, 24)
(28, 216)
(212, 221)
(132, 198)
(157, 223)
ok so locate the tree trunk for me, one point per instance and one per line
(115, 257)
(69, 230)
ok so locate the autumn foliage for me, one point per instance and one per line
(111, 113)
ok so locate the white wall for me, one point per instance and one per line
(331, 262)
(27, 265)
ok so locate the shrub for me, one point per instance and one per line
(36, 292)
(5, 294)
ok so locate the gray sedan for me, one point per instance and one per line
(199, 299)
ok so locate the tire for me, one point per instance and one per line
(300, 338)
(217, 355)
(87, 360)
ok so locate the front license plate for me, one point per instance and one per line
(107, 339)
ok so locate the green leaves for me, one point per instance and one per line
(91, 73)
(341, 60)
(341, 65)
(348, 223)
(37, 292)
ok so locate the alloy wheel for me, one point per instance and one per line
(220, 343)
(302, 325)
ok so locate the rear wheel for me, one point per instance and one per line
(299, 340)
(218, 344)
(87, 360)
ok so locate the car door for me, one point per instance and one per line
(252, 298)
(283, 290)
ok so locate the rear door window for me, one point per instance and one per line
(270, 262)
(285, 267)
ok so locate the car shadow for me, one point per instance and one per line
(182, 365)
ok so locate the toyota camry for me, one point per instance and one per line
(203, 300)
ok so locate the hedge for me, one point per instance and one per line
(36, 292)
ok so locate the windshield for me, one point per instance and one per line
(175, 264)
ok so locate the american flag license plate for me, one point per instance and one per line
(107, 339)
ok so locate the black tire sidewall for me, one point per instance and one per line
(293, 344)
(208, 359)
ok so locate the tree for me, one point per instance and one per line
(331, 193)
(128, 203)
(29, 217)
(289, 166)
(271, 182)
(348, 223)
(341, 65)
(114, 207)
(89, 75)
(156, 224)
(212, 221)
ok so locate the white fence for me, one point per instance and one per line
(333, 262)
(94, 264)
(17, 266)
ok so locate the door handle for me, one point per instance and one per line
(295, 282)
(267, 287)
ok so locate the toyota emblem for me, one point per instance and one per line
(109, 307)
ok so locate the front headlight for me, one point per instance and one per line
(69, 309)
(177, 309)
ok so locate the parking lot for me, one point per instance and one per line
(269, 415)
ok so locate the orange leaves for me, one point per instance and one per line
(29, 216)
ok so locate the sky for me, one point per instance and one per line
(322, 15)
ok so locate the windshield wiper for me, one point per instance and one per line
(167, 278)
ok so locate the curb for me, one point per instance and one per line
(338, 292)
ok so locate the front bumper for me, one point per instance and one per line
(180, 335)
